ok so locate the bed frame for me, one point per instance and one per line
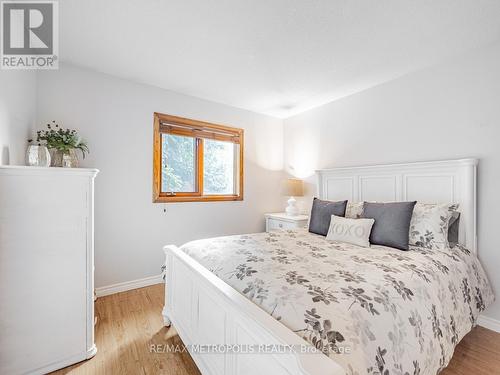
(450, 181)
(206, 311)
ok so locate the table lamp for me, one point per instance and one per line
(293, 187)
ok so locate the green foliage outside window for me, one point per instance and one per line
(179, 165)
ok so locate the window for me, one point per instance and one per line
(196, 161)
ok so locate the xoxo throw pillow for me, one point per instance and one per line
(353, 231)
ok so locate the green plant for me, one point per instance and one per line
(62, 139)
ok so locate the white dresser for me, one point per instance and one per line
(46, 268)
(283, 221)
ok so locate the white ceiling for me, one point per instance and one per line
(277, 57)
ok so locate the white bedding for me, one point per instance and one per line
(374, 310)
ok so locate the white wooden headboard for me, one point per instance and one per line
(450, 181)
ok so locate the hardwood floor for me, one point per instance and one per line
(130, 322)
(477, 354)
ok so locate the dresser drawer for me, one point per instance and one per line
(283, 221)
(280, 224)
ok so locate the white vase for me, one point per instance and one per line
(37, 156)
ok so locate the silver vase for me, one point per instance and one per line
(65, 159)
(37, 156)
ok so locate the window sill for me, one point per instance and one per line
(203, 198)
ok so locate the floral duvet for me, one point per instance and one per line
(373, 310)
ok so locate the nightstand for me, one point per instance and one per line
(283, 221)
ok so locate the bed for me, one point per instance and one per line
(291, 302)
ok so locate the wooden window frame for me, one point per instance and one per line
(200, 130)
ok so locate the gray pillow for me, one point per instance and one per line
(321, 214)
(392, 223)
(453, 229)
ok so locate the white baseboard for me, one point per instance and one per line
(128, 285)
(489, 323)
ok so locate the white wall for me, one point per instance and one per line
(17, 114)
(451, 110)
(116, 118)
(448, 111)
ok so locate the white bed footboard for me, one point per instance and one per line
(226, 333)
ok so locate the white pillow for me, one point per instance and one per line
(354, 231)
(354, 210)
(429, 225)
